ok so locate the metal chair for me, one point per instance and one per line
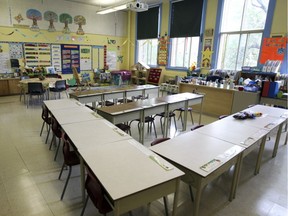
(96, 193)
(70, 159)
(35, 89)
(150, 121)
(46, 121)
(60, 86)
(181, 110)
(57, 132)
(171, 115)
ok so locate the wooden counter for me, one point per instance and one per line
(219, 101)
(9, 86)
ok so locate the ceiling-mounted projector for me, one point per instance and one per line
(137, 6)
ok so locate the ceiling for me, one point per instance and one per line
(107, 3)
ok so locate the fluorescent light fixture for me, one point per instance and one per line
(114, 8)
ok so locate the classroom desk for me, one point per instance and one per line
(181, 100)
(130, 177)
(233, 131)
(189, 154)
(277, 113)
(89, 134)
(134, 110)
(99, 94)
(62, 104)
(74, 115)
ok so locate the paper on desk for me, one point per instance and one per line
(211, 165)
(255, 137)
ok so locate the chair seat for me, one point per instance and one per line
(107, 103)
(72, 159)
(171, 114)
(182, 109)
(124, 127)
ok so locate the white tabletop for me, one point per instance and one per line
(93, 133)
(62, 104)
(125, 168)
(75, 114)
(265, 121)
(234, 131)
(268, 110)
(194, 150)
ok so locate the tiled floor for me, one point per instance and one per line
(29, 182)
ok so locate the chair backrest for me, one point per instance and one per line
(56, 127)
(66, 149)
(96, 193)
(35, 88)
(60, 85)
(76, 75)
(159, 140)
(45, 113)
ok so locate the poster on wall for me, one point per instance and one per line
(85, 58)
(273, 49)
(16, 50)
(112, 60)
(70, 58)
(163, 50)
(5, 62)
(56, 56)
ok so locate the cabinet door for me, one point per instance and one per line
(14, 86)
(4, 87)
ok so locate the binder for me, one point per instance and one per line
(265, 88)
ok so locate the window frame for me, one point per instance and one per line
(159, 27)
(217, 35)
(202, 27)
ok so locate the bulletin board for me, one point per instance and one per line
(273, 49)
(70, 58)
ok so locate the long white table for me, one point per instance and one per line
(129, 175)
(192, 152)
(105, 93)
(62, 104)
(140, 109)
(128, 171)
(74, 115)
(277, 113)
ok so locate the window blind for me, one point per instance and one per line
(147, 23)
(186, 18)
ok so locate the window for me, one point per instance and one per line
(185, 33)
(184, 51)
(147, 51)
(147, 35)
(241, 30)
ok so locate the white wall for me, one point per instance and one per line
(114, 24)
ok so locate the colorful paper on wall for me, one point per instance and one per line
(273, 49)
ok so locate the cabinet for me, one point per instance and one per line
(220, 101)
(37, 55)
(9, 86)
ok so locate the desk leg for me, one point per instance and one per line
(82, 171)
(277, 140)
(200, 116)
(197, 200)
(166, 121)
(260, 153)
(236, 177)
(176, 195)
(185, 115)
(94, 104)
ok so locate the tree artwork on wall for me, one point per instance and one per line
(51, 17)
(34, 15)
(80, 20)
(66, 19)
